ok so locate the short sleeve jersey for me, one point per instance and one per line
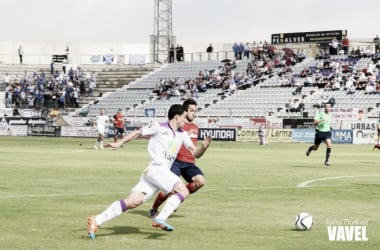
(164, 143)
(119, 121)
(323, 126)
(101, 121)
(184, 154)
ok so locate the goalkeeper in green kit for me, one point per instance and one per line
(322, 122)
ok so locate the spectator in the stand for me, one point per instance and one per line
(288, 105)
(351, 90)
(67, 52)
(294, 105)
(9, 96)
(305, 72)
(64, 64)
(179, 53)
(377, 90)
(240, 51)
(209, 51)
(284, 82)
(75, 95)
(91, 87)
(52, 67)
(334, 47)
(376, 41)
(298, 90)
(71, 74)
(308, 81)
(232, 86)
(62, 101)
(332, 101)
(82, 89)
(20, 53)
(247, 49)
(370, 88)
(6, 80)
(171, 54)
(376, 59)
(345, 45)
(352, 53)
(301, 55)
(235, 48)
(301, 106)
(93, 77)
(334, 83)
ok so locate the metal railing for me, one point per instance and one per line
(113, 59)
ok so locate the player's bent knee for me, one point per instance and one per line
(181, 189)
(200, 181)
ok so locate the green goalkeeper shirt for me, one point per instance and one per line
(325, 125)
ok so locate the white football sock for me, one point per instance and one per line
(114, 210)
(171, 204)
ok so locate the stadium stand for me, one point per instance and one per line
(269, 85)
(266, 97)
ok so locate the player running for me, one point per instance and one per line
(165, 141)
(184, 165)
(119, 125)
(322, 121)
(100, 123)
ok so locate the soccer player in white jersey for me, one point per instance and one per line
(100, 123)
(165, 140)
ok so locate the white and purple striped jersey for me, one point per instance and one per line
(164, 143)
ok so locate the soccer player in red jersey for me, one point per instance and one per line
(119, 125)
(184, 165)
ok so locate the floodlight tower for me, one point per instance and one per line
(162, 38)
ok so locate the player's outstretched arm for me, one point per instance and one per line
(130, 137)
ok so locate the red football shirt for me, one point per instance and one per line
(119, 121)
(184, 154)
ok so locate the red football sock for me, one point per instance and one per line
(191, 187)
(161, 198)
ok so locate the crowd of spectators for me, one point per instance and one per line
(335, 73)
(263, 62)
(339, 74)
(40, 90)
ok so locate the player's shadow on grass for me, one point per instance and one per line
(297, 230)
(145, 213)
(118, 230)
(133, 230)
(305, 166)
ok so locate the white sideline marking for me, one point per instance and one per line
(306, 183)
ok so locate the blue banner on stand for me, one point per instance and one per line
(150, 112)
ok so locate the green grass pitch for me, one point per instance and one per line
(48, 187)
